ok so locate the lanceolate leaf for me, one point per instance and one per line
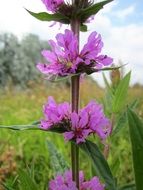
(121, 93)
(136, 135)
(92, 70)
(44, 16)
(92, 10)
(55, 129)
(20, 127)
(99, 163)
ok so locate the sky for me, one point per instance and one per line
(120, 24)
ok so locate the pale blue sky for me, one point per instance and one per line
(120, 24)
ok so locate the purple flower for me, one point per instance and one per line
(79, 128)
(64, 58)
(52, 5)
(65, 182)
(54, 113)
(93, 184)
(91, 52)
(90, 120)
(98, 123)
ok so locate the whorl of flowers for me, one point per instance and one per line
(65, 183)
(64, 59)
(78, 126)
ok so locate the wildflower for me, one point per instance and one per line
(77, 126)
(54, 113)
(65, 183)
(52, 5)
(98, 123)
(93, 184)
(64, 58)
(90, 120)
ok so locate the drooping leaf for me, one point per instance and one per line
(44, 16)
(20, 127)
(121, 94)
(92, 10)
(55, 128)
(136, 135)
(100, 164)
(58, 163)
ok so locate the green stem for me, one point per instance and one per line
(75, 106)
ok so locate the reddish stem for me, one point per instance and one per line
(75, 106)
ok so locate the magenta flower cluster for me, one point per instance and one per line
(54, 113)
(64, 58)
(78, 126)
(65, 183)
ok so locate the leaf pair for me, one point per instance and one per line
(81, 15)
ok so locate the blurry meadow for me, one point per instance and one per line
(27, 151)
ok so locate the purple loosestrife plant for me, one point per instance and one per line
(64, 58)
(67, 59)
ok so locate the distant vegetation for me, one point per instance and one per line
(18, 59)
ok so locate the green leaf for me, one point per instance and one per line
(26, 182)
(58, 163)
(109, 88)
(33, 127)
(44, 16)
(128, 187)
(123, 119)
(54, 129)
(20, 127)
(92, 70)
(99, 163)
(83, 28)
(136, 135)
(92, 10)
(121, 94)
